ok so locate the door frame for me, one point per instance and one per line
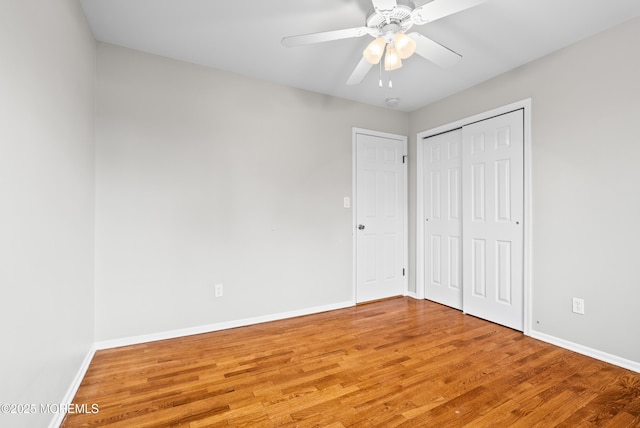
(354, 210)
(525, 105)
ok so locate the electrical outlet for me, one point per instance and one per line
(219, 290)
(578, 306)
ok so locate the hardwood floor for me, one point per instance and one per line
(398, 362)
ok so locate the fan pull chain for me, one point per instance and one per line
(390, 84)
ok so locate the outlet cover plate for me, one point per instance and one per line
(219, 290)
(578, 306)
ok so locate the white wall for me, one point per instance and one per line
(207, 177)
(47, 54)
(586, 182)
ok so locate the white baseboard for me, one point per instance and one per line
(411, 294)
(172, 334)
(589, 352)
(73, 388)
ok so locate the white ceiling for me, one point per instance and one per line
(244, 37)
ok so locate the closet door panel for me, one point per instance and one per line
(492, 213)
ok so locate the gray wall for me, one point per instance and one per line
(46, 204)
(206, 177)
(586, 183)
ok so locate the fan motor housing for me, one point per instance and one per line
(400, 16)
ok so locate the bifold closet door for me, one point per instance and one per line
(492, 213)
(443, 218)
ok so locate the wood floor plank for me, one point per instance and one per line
(397, 362)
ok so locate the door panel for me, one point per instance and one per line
(442, 187)
(503, 271)
(381, 212)
(493, 185)
(478, 265)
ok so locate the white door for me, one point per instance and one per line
(493, 206)
(443, 218)
(380, 216)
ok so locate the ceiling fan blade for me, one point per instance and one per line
(440, 8)
(384, 5)
(434, 52)
(326, 36)
(359, 72)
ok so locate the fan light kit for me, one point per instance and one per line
(391, 25)
(388, 23)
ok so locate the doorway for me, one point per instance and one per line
(379, 215)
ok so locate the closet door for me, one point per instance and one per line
(492, 213)
(443, 218)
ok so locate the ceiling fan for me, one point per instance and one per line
(388, 23)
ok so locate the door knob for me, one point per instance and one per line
(361, 226)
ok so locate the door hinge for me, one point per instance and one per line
(404, 158)
(402, 271)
